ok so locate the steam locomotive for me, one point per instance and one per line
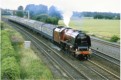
(73, 41)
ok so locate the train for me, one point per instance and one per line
(69, 40)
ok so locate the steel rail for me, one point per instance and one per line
(104, 69)
(108, 58)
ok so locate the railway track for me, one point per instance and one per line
(81, 68)
(99, 70)
(107, 48)
(106, 57)
(102, 68)
(60, 62)
(106, 42)
(69, 69)
(55, 69)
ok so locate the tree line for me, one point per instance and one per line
(42, 13)
(37, 12)
(97, 15)
(52, 15)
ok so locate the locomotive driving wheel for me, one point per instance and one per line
(73, 54)
(86, 57)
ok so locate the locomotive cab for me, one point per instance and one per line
(82, 45)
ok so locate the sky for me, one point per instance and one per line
(67, 5)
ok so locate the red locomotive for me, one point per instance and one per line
(73, 41)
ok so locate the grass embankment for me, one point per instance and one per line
(32, 67)
(18, 62)
(10, 67)
(99, 27)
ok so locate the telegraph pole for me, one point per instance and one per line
(0, 14)
(28, 15)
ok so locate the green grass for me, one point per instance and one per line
(9, 67)
(31, 66)
(98, 27)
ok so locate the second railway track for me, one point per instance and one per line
(106, 57)
(72, 69)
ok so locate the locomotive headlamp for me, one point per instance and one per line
(90, 51)
(76, 49)
(71, 46)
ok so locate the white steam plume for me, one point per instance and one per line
(66, 17)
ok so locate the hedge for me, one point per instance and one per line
(114, 38)
(10, 69)
(7, 48)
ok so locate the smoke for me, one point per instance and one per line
(66, 17)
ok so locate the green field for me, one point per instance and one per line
(99, 27)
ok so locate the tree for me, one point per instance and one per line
(98, 17)
(20, 8)
(36, 9)
(47, 19)
(53, 12)
(30, 8)
(52, 20)
(20, 12)
(41, 9)
(41, 17)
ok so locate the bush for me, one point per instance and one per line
(42, 17)
(1, 25)
(7, 51)
(52, 20)
(20, 13)
(7, 48)
(10, 69)
(16, 39)
(114, 38)
(47, 19)
(17, 43)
